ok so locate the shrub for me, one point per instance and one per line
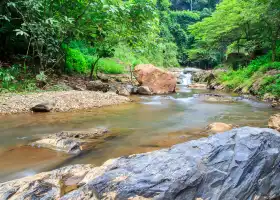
(77, 61)
(270, 84)
(17, 79)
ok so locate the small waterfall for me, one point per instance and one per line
(186, 78)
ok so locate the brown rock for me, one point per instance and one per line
(158, 80)
(218, 127)
(98, 86)
(274, 122)
(123, 91)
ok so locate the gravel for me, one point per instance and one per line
(62, 101)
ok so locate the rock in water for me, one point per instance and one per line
(158, 80)
(72, 142)
(218, 127)
(241, 164)
(274, 122)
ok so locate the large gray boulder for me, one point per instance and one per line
(241, 164)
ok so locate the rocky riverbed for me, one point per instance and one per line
(59, 101)
(238, 164)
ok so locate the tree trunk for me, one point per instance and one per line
(274, 50)
(92, 69)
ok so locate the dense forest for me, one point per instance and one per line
(83, 36)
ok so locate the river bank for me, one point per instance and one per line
(61, 101)
(85, 94)
(251, 89)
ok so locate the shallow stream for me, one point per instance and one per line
(150, 123)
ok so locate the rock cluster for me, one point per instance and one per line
(239, 164)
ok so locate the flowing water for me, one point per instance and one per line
(186, 78)
(148, 124)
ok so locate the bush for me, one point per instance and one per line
(77, 61)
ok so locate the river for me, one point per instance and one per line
(150, 123)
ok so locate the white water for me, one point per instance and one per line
(187, 78)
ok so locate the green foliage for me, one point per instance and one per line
(109, 66)
(162, 55)
(76, 61)
(254, 78)
(271, 85)
(16, 78)
(270, 66)
(193, 4)
(241, 25)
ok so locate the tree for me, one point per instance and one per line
(254, 21)
(131, 22)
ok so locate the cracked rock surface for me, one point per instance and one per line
(241, 164)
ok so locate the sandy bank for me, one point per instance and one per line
(60, 101)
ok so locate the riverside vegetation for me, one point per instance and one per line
(43, 39)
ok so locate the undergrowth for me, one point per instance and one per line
(260, 77)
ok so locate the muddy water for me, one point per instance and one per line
(151, 123)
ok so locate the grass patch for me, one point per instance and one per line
(110, 66)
